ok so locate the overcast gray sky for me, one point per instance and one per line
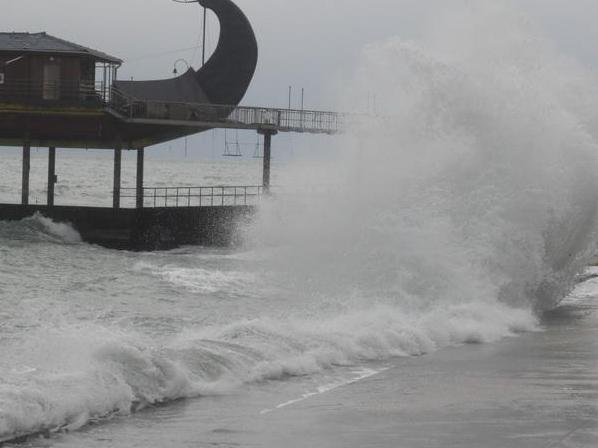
(304, 43)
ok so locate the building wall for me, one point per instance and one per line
(14, 74)
(26, 76)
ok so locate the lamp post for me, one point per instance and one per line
(175, 71)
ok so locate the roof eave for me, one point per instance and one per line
(96, 57)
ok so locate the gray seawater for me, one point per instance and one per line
(453, 221)
(100, 346)
(89, 333)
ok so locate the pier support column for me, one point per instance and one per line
(267, 133)
(117, 174)
(26, 170)
(51, 175)
(139, 195)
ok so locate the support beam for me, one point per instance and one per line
(139, 195)
(51, 175)
(117, 175)
(267, 133)
(26, 170)
(267, 158)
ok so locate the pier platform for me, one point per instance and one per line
(152, 228)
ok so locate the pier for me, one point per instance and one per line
(167, 217)
(58, 94)
(149, 218)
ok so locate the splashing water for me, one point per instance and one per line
(40, 228)
(476, 184)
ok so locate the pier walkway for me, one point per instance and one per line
(205, 116)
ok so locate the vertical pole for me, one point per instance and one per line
(104, 82)
(139, 188)
(302, 98)
(117, 174)
(267, 156)
(290, 95)
(26, 169)
(203, 45)
(109, 83)
(51, 175)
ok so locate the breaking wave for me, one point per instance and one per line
(475, 183)
(63, 377)
(39, 228)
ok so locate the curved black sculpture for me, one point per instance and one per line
(224, 78)
(227, 74)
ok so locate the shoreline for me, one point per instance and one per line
(536, 390)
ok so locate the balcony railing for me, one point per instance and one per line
(72, 91)
(126, 107)
(237, 117)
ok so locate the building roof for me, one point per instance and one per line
(44, 43)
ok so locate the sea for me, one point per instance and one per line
(427, 283)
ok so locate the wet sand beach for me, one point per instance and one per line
(539, 390)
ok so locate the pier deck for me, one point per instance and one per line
(154, 228)
(134, 111)
(170, 217)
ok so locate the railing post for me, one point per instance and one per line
(51, 175)
(25, 174)
(117, 176)
(139, 186)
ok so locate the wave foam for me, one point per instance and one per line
(64, 377)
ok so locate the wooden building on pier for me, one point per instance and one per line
(40, 69)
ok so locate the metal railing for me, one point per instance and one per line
(220, 196)
(62, 90)
(237, 117)
(129, 108)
